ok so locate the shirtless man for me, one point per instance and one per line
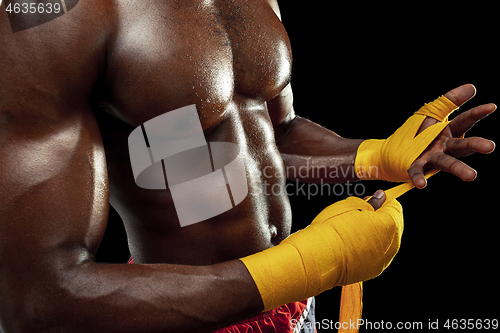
(72, 90)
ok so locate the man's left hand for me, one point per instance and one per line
(443, 152)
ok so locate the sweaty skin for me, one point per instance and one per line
(72, 90)
(242, 59)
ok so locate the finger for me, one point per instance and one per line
(461, 94)
(377, 199)
(451, 165)
(417, 175)
(458, 96)
(466, 120)
(465, 147)
(426, 123)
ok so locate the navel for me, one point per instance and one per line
(273, 230)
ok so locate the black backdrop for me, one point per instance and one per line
(361, 71)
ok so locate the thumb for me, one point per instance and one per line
(377, 200)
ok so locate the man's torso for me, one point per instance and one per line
(228, 58)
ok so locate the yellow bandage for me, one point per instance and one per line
(391, 158)
(349, 241)
(346, 243)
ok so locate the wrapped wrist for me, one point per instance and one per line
(391, 158)
(368, 159)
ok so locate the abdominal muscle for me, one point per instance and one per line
(260, 221)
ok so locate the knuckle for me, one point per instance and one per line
(455, 166)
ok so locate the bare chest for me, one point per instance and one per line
(169, 54)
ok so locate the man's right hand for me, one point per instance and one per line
(347, 242)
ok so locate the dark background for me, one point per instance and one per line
(362, 71)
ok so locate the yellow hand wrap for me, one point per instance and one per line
(391, 158)
(346, 243)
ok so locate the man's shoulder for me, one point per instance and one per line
(24, 15)
(51, 28)
(59, 47)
